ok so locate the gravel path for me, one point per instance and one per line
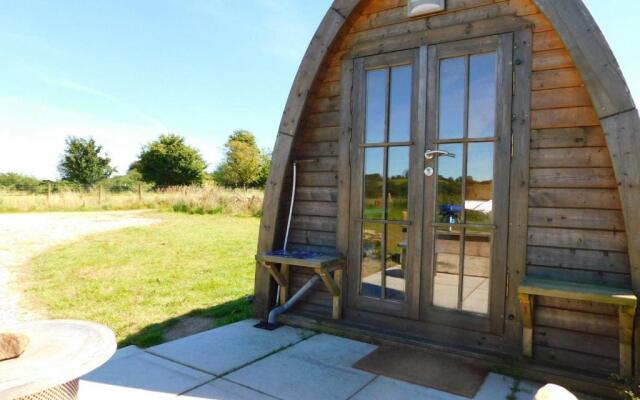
(22, 236)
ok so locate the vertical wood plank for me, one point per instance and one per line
(502, 166)
(344, 164)
(519, 186)
(416, 187)
(358, 102)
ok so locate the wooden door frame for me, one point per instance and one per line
(410, 308)
(519, 186)
(494, 322)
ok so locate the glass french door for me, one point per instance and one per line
(384, 259)
(467, 163)
(430, 160)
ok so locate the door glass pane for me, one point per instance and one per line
(447, 268)
(398, 183)
(479, 193)
(400, 104)
(477, 270)
(452, 92)
(396, 262)
(376, 106)
(371, 274)
(373, 207)
(449, 186)
(482, 95)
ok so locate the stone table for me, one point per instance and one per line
(59, 352)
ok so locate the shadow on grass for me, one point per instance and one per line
(220, 315)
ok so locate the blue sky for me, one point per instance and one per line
(125, 71)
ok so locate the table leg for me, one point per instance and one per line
(626, 316)
(526, 308)
(337, 300)
(284, 290)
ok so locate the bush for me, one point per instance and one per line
(13, 181)
(169, 161)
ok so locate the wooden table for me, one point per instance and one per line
(58, 354)
(328, 267)
(624, 299)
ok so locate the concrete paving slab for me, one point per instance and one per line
(102, 391)
(494, 387)
(317, 368)
(292, 378)
(140, 376)
(498, 386)
(330, 350)
(224, 349)
(126, 352)
(221, 389)
(383, 388)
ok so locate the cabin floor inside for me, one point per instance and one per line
(449, 158)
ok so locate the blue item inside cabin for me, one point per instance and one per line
(450, 212)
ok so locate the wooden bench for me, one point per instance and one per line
(328, 267)
(625, 299)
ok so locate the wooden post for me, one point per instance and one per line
(284, 290)
(526, 307)
(140, 192)
(337, 300)
(626, 316)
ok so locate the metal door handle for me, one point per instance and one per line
(430, 154)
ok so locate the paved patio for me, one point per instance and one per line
(238, 362)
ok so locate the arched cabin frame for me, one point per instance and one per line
(570, 195)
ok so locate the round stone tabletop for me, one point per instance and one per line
(58, 351)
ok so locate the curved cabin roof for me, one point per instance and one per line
(592, 56)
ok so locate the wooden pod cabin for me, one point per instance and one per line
(478, 169)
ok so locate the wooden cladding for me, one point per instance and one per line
(556, 78)
(566, 98)
(575, 225)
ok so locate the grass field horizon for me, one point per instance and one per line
(206, 199)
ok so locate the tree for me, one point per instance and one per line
(169, 161)
(265, 166)
(82, 163)
(244, 165)
(242, 135)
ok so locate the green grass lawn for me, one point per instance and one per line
(140, 281)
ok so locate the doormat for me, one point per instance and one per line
(425, 368)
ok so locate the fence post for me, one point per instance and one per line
(99, 195)
(49, 193)
(140, 192)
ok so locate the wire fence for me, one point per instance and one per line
(57, 187)
(63, 196)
